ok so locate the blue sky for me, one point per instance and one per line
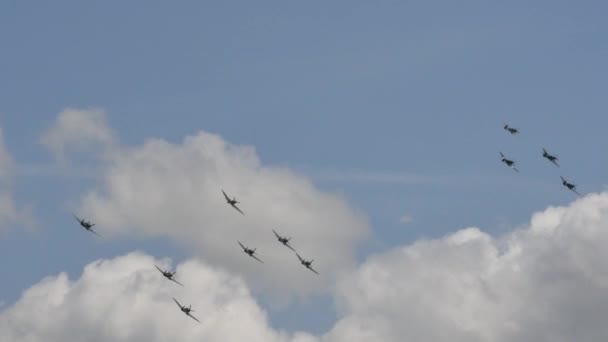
(397, 106)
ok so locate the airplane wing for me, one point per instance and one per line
(502, 155)
(288, 246)
(256, 258)
(299, 257)
(94, 232)
(555, 162)
(516, 170)
(178, 304)
(310, 268)
(194, 318)
(225, 196)
(243, 247)
(158, 268)
(237, 208)
(176, 281)
(276, 234)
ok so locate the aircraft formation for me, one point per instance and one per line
(550, 157)
(87, 225)
(285, 241)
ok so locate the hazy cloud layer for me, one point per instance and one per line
(10, 213)
(405, 219)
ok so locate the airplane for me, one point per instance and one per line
(510, 163)
(511, 130)
(307, 263)
(249, 252)
(569, 185)
(550, 157)
(86, 225)
(283, 240)
(169, 275)
(186, 310)
(232, 202)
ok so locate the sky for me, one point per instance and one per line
(369, 132)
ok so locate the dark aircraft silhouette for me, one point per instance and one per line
(307, 263)
(550, 157)
(283, 240)
(511, 130)
(169, 275)
(86, 225)
(249, 252)
(186, 310)
(510, 163)
(232, 202)
(569, 185)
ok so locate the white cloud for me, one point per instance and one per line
(548, 282)
(127, 299)
(174, 190)
(79, 130)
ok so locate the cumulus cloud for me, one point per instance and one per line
(79, 130)
(546, 282)
(175, 190)
(127, 299)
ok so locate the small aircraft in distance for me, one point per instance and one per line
(249, 252)
(569, 185)
(511, 130)
(552, 158)
(510, 163)
(186, 310)
(86, 225)
(307, 263)
(283, 240)
(232, 202)
(169, 275)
